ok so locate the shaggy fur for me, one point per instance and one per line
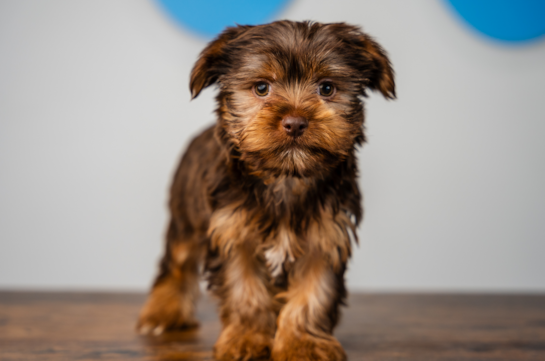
(267, 198)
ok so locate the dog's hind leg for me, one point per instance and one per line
(171, 303)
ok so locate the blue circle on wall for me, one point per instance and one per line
(209, 17)
(507, 20)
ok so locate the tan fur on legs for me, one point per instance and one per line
(239, 342)
(305, 323)
(168, 307)
(172, 300)
(248, 310)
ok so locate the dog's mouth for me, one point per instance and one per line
(293, 148)
(294, 144)
(291, 158)
(280, 153)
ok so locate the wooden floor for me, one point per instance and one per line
(92, 326)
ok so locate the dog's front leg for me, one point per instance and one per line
(247, 307)
(306, 322)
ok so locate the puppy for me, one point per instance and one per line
(268, 197)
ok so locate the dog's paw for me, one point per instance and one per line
(238, 343)
(307, 348)
(165, 309)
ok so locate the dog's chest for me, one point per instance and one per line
(279, 252)
(275, 259)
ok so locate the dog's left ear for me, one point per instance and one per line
(213, 60)
(382, 75)
(368, 58)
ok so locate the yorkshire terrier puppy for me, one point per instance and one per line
(267, 199)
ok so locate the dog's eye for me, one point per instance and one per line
(326, 89)
(261, 89)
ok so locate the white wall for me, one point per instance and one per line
(94, 113)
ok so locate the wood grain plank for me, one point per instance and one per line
(100, 326)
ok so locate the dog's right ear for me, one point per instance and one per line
(213, 60)
(367, 57)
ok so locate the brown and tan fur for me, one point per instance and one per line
(271, 215)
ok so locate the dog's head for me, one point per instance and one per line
(290, 92)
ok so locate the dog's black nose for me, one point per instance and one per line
(295, 126)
